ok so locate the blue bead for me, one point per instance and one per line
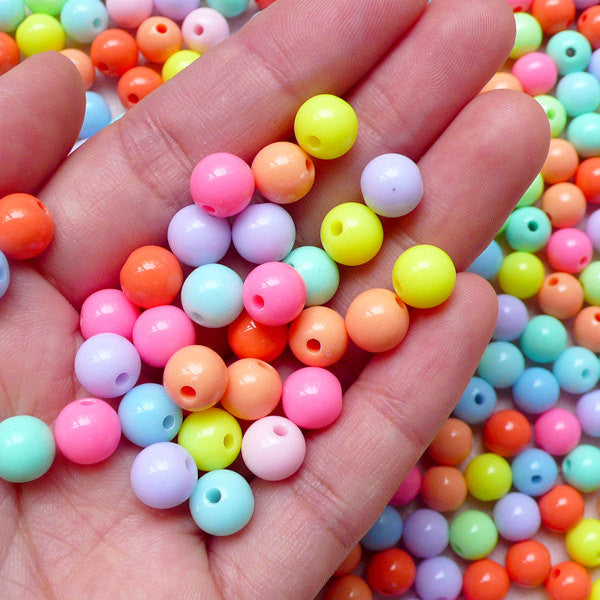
(488, 263)
(584, 133)
(577, 370)
(222, 502)
(528, 229)
(579, 93)
(544, 339)
(385, 532)
(228, 8)
(570, 51)
(97, 115)
(425, 533)
(581, 468)
(517, 516)
(4, 274)
(512, 318)
(534, 472)
(536, 390)
(148, 415)
(83, 20)
(501, 364)
(477, 402)
(12, 12)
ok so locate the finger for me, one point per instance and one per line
(352, 469)
(42, 104)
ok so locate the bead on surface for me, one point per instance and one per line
(390, 572)
(536, 390)
(473, 534)
(561, 508)
(40, 33)
(512, 318)
(438, 577)
(528, 563)
(517, 517)
(452, 443)
(83, 20)
(501, 364)
(560, 296)
(485, 579)
(107, 311)
(385, 532)
(544, 339)
(443, 488)
(534, 471)
(204, 28)
(158, 38)
(521, 274)
(136, 83)
(4, 274)
(581, 468)
(487, 264)
(114, 51)
(97, 115)
(506, 432)
(565, 205)
(250, 339)
(557, 431)
(425, 533)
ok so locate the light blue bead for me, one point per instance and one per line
(4, 274)
(544, 339)
(83, 20)
(488, 263)
(577, 370)
(579, 93)
(228, 8)
(536, 390)
(556, 113)
(97, 115)
(477, 402)
(211, 295)
(501, 364)
(517, 516)
(12, 12)
(534, 472)
(320, 273)
(528, 229)
(385, 532)
(584, 133)
(222, 502)
(581, 468)
(512, 318)
(570, 51)
(148, 415)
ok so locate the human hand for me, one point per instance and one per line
(410, 73)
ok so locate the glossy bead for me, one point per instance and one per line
(533, 192)
(570, 51)
(473, 534)
(158, 38)
(588, 413)
(136, 83)
(250, 339)
(204, 28)
(27, 448)
(409, 488)
(583, 542)
(443, 488)
(506, 433)
(12, 13)
(534, 472)
(517, 517)
(536, 71)
(477, 402)
(584, 133)
(177, 62)
(350, 562)
(97, 115)
(82, 62)
(107, 311)
(528, 229)
(312, 397)
(325, 126)
(569, 250)
(487, 264)
(579, 93)
(561, 508)
(222, 502)
(553, 15)
(4, 274)
(212, 436)
(48, 7)
(577, 370)
(568, 581)
(485, 579)
(528, 563)
(521, 274)
(39, 33)
(385, 532)
(452, 443)
(588, 25)
(488, 476)
(555, 111)
(528, 37)
(113, 52)
(229, 8)
(581, 468)
(565, 204)
(512, 318)
(130, 14)
(544, 339)
(561, 295)
(590, 281)
(592, 228)
(562, 160)
(587, 179)
(176, 9)
(348, 587)
(351, 233)
(536, 390)
(9, 52)
(107, 365)
(438, 577)
(390, 572)
(425, 533)
(501, 364)
(557, 431)
(83, 20)
(87, 431)
(502, 81)
(519, 5)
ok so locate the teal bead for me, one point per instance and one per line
(12, 12)
(528, 229)
(532, 194)
(581, 468)
(570, 51)
(579, 93)
(590, 281)
(473, 534)
(557, 115)
(27, 448)
(584, 133)
(544, 339)
(501, 364)
(228, 8)
(577, 370)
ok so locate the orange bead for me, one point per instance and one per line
(391, 572)
(249, 339)
(151, 276)
(317, 336)
(350, 562)
(253, 389)
(195, 377)
(506, 432)
(9, 53)
(113, 52)
(502, 81)
(561, 508)
(158, 38)
(377, 320)
(136, 84)
(561, 162)
(528, 563)
(26, 227)
(443, 488)
(561, 295)
(485, 579)
(586, 328)
(452, 444)
(348, 587)
(553, 15)
(83, 63)
(568, 581)
(564, 203)
(587, 179)
(588, 25)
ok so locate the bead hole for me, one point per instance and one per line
(532, 226)
(228, 441)
(313, 345)
(479, 399)
(42, 207)
(336, 228)
(198, 29)
(86, 402)
(102, 67)
(314, 141)
(553, 281)
(122, 379)
(585, 373)
(209, 209)
(567, 466)
(597, 317)
(161, 28)
(133, 98)
(197, 318)
(213, 496)
(583, 260)
(551, 114)
(2, 275)
(168, 422)
(187, 392)
(258, 302)
(536, 479)
(556, 573)
(97, 23)
(280, 430)
(570, 52)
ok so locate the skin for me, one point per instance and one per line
(411, 72)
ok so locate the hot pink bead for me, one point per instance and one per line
(160, 331)
(87, 431)
(129, 13)
(222, 184)
(537, 73)
(520, 5)
(107, 311)
(408, 489)
(569, 250)
(557, 431)
(274, 293)
(204, 28)
(312, 397)
(273, 448)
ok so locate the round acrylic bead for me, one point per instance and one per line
(502, 81)
(176, 9)
(488, 476)
(521, 274)
(533, 192)
(203, 28)
(581, 468)
(390, 572)
(385, 532)
(588, 413)
(312, 397)
(536, 390)
(229, 8)
(148, 415)
(176, 63)
(506, 433)
(163, 475)
(195, 377)
(263, 233)
(584, 133)
(391, 185)
(27, 448)
(594, 64)
(485, 579)
(561, 508)
(528, 36)
(553, 15)
(9, 51)
(487, 264)
(528, 563)
(512, 318)
(555, 111)
(592, 228)
(107, 311)
(561, 296)
(425, 533)
(274, 293)
(97, 115)
(409, 488)
(536, 71)
(326, 126)
(561, 163)
(588, 25)
(107, 365)
(544, 339)
(212, 436)
(528, 229)
(579, 93)
(569, 50)
(577, 370)
(158, 38)
(452, 444)
(565, 205)
(39, 33)
(129, 14)
(568, 581)
(12, 13)
(443, 488)
(4, 274)
(351, 233)
(569, 250)
(250, 339)
(273, 448)
(477, 402)
(348, 587)
(87, 431)
(350, 562)
(136, 83)
(590, 281)
(222, 502)
(557, 431)
(83, 20)
(534, 471)
(473, 534)
(438, 577)
(48, 7)
(517, 517)
(501, 364)
(113, 52)
(583, 542)
(83, 64)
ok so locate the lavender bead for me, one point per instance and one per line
(512, 318)
(588, 413)
(4, 274)
(438, 578)
(592, 229)
(176, 9)
(425, 533)
(517, 517)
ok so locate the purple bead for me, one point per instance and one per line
(594, 64)
(592, 229)
(176, 9)
(107, 365)
(391, 185)
(197, 238)
(512, 318)
(425, 533)
(583, 4)
(163, 475)
(438, 578)
(588, 413)
(517, 517)
(263, 233)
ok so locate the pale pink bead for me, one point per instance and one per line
(129, 13)
(204, 28)
(569, 250)
(557, 431)
(407, 491)
(107, 311)
(537, 73)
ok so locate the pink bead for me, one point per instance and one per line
(222, 184)
(160, 331)
(274, 293)
(204, 28)
(569, 250)
(537, 73)
(129, 13)
(557, 431)
(312, 397)
(520, 5)
(273, 448)
(107, 311)
(87, 431)
(408, 489)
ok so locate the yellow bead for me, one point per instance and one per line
(488, 477)
(39, 33)
(521, 274)
(583, 542)
(213, 437)
(326, 126)
(351, 233)
(177, 62)
(595, 593)
(424, 276)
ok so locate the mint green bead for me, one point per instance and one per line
(48, 7)
(544, 339)
(581, 468)
(584, 133)
(528, 36)
(27, 448)
(473, 534)
(590, 281)
(556, 113)
(528, 229)
(569, 50)
(532, 193)
(12, 13)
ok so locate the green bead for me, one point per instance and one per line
(528, 36)
(27, 448)
(528, 229)
(581, 468)
(583, 542)
(584, 133)
(532, 193)
(590, 281)
(488, 476)
(544, 339)
(48, 7)
(557, 115)
(473, 534)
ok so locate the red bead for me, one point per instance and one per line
(485, 579)
(587, 179)
(262, 4)
(561, 508)
(9, 53)
(249, 339)
(348, 587)
(113, 52)
(391, 572)
(528, 563)
(553, 15)
(506, 432)
(568, 581)
(588, 25)
(135, 84)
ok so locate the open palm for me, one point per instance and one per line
(410, 71)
